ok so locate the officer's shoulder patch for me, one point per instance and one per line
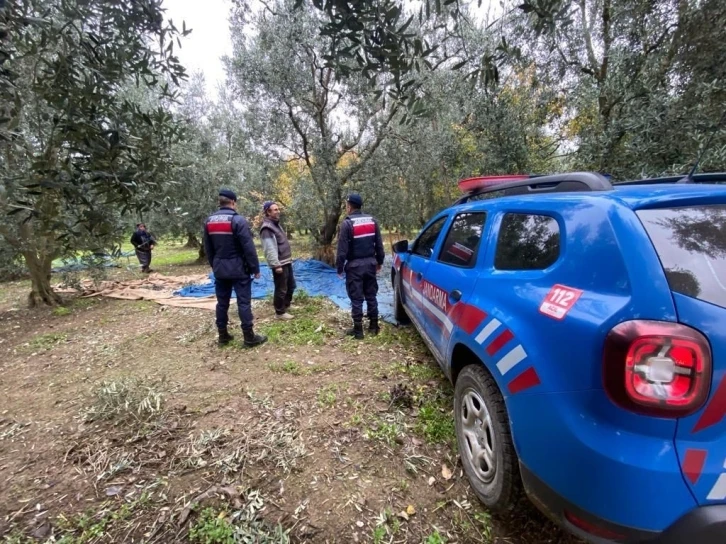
(222, 218)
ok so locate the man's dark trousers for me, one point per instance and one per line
(362, 284)
(284, 289)
(243, 289)
(144, 258)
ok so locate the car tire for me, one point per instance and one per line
(486, 449)
(399, 313)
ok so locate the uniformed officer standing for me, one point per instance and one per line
(231, 254)
(360, 254)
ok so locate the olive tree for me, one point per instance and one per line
(298, 107)
(214, 153)
(77, 153)
(642, 82)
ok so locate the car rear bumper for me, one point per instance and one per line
(702, 525)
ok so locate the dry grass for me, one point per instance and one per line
(127, 399)
(311, 437)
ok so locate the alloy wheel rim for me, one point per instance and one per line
(478, 436)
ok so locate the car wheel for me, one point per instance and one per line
(399, 313)
(485, 441)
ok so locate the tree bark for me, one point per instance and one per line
(41, 293)
(202, 257)
(192, 241)
(324, 250)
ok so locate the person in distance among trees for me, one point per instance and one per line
(143, 243)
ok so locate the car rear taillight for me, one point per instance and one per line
(657, 368)
(591, 528)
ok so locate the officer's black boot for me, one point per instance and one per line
(373, 327)
(224, 337)
(357, 330)
(252, 339)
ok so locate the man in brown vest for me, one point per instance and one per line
(279, 258)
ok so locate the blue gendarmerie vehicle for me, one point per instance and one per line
(583, 325)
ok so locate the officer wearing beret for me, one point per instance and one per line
(360, 254)
(231, 254)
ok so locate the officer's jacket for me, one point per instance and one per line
(228, 242)
(359, 240)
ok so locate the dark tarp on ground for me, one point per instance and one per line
(316, 279)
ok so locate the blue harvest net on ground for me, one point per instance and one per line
(316, 279)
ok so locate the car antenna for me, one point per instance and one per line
(689, 177)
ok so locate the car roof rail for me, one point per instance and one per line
(709, 177)
(538, 184)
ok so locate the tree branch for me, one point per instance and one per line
(9, 238)
(574, 63)
(350, 145)
(298, 155)
(586, 34)
(268, 8)
(301, 132)
(607, 39)
(368, 153)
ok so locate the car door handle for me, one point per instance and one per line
(455, 295)
(419, 276)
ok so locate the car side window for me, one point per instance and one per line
(424, 245)
(527, 242)
(463, 239)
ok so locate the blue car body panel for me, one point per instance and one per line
(697, 433)
(616, 474)
(623, 467)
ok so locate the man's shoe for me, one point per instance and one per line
(252, 339)
(357, 330)
(284, 316)
(224, 337)
(373, 327)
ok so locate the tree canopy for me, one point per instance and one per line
(99, 126)
(77, 151)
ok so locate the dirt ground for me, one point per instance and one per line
(123, 421)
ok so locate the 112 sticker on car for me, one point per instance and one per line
(559, 301)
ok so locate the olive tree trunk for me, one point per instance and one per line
(41, 293)
(192, 241)
(202, 256)
(38, 249)
(324, 249)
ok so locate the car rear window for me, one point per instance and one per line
(691, 245)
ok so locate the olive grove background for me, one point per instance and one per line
(101, 126)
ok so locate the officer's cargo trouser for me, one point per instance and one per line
(362, 284)
(243, 290)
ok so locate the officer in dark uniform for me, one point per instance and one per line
(360, 254)
(231, 254)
